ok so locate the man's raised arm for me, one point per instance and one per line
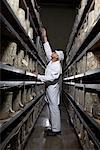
(46, 44)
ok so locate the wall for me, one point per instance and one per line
(58, 22)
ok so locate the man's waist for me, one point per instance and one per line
(55, 81)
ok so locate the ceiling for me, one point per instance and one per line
(66, 3)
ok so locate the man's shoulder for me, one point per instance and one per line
(56, 65)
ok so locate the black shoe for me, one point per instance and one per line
(47, 131)
(51, 133)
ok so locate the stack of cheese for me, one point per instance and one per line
(14, 4)
(18, 59)
(91, 19)
(23, 95)
(87, 143)
(28, 95)
(81, 99)
(93, 60)
(96, 106)
(25, 62)
(88, 103)
(77, 95)
(17, 104)
(21, 16)
(97, 8)
(8, 53)
(6, 105)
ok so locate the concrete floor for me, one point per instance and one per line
(66, 141)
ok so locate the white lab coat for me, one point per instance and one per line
(53, 71)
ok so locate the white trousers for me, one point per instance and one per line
(53, 117)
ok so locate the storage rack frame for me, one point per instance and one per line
(87, 81)
(12, 127)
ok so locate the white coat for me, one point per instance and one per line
(53, 71)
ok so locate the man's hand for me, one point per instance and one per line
(43, 33)
(35, 73)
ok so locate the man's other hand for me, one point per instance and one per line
(35, 73)
(43, 32)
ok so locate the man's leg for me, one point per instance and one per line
(47, 111)
(55, 118)
(47, 123)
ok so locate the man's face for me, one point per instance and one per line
(54, 56)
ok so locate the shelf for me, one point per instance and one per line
(89, 124)
(91, 35)
(95, 87)
(79, 75)
(70, 83)
(16, 25)
(95, 43)
(13, 30)
(30, 74)
(11, 69)
(73, 77)
(33, 13)
(23, 144)
(92, 72)
(68, 78)
(11, 84)
(82, 75)
(10, 29)
(16, 70)
(91, 5)
(33, 83)
(74, 32)
(89, 119)
(16, 129)
(33, 24)
(19, 115)
(24, 6)
(11, 134)
(78, 25)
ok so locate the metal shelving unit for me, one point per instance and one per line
(89, 37)
(78, 24)
(34, 16)
(13, 22)
(25, 75)
(88, 122)
(86, 86)
(81, 80)
(11, 84)
(20, 82)
(87, 74)
(20, 39)
(6, 124)
(17, 120)
(95, 43)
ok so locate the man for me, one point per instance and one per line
(51, 79)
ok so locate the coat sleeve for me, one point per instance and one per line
(48, 50)
(52, 76)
